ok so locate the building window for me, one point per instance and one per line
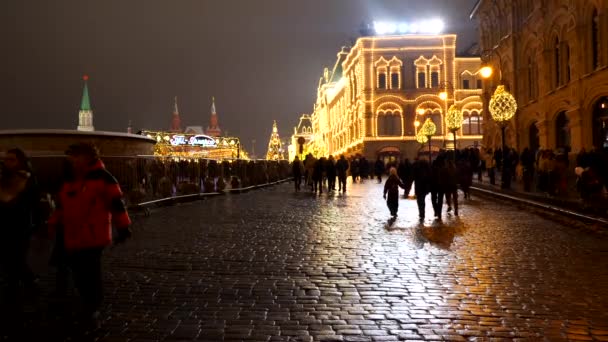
(434, 79)
(472, 124)
(595, 43)
(562, 131)
(421, 79)
(479, 84)
(382, 81)
(557, 80)
(566, 63)
(389, 124)
(394, 80)
(465, 84)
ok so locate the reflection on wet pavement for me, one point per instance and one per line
(274, 265)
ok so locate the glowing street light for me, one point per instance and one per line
(443, 96)
(486, 71)
(428, 129)
(453, 121)
(503, 107)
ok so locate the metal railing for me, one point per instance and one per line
(144, 178)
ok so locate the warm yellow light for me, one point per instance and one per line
(443, 95)
(420, 111)
(416, 123)
(453, 119)
(502, 105)
(486, 72)
(428, 128)
(421, 138)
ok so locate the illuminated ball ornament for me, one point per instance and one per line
(502, 105)
(453, 119)
(421, 138)
(428, 128)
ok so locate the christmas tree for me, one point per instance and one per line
(275, 148)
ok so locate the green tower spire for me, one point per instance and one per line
(85, 104)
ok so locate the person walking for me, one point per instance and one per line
(421, 174)
(296, 169)
(491, 166)
(330, 171)
(450, 178)
(391, 187)
(21, 216)
(379, 169)
(437, 185)
(87, 205)
(317, 175)
(341, 169)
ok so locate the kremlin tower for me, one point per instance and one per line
(213, 129)
(85, 115)
(176, 122)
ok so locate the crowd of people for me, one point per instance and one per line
(79, 222)
(442, 178)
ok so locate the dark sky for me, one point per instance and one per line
(261, 59)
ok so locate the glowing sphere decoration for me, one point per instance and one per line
(428, 128)
(421, 138)
(502, 105)
(453, 119)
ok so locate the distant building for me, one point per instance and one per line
(553, 57)
(176, 122)
(214, 128)
(85, 115)
(381, 90)
(301, 138)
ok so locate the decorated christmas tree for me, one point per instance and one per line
(275, 148)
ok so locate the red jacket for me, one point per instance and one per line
(87, 208)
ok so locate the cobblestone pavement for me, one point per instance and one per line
(272, 265)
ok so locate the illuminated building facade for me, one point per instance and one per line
(378, 90)
(553, 57)
(301, 139)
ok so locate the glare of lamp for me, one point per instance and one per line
(443, 95)
(486, 72)
(416, 123)
(420, 111)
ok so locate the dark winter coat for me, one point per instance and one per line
(19, 205)
(421, 173)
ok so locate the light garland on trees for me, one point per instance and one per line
(454, 118)
(502, 105)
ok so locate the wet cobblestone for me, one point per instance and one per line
(272, 265)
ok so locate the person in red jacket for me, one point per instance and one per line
(88, 204)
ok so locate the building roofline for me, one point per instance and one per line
(475, 9)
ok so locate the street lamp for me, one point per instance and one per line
(453, 121)
(428, 129)
(502, 108)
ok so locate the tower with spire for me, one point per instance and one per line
(176, 122)
(275, 147)
(85, 115)
(213, 129)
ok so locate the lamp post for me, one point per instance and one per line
(428, 129)
(502, 107)
(453, 121)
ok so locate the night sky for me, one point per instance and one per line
(261, 59)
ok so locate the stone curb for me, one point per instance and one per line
(544, 206)
(168, 201)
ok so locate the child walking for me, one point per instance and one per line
(392, 188)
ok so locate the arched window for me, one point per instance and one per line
(389, 124)
(562, 130)
(595, 42)
(471, 124)
(556, 63)
(566, 53)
